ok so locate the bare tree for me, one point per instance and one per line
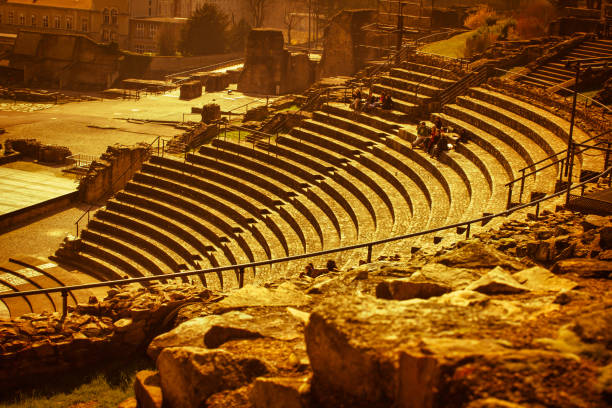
(290, 18)
(257, 9)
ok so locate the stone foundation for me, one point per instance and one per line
(112, 172)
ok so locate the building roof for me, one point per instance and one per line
(69, 4)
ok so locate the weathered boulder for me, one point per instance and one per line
(478, 255)
(592, 221)
(497, 281)
(541, 279)
(588, 268)
(286, 294)
(280, 392)
(376, 353)
(595, 327)
(410, 288)
(147, 389)
(189, 375)
(214, 330)
(605, 237)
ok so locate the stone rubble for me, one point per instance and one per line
(485, 322)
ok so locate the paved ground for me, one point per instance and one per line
(88, 128)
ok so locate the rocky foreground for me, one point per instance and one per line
(517, 317)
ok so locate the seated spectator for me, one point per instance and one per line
(463, 136)
(441, 145)
(433, 139)
(387, 102)
(422, 133)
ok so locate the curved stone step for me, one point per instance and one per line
(293, 170)
(432, 78)
(145, 265)
(189, 200)
(224, 210)
(24, 281)
(195, 245)
(207, 232)
(555, 124)
(181, 255)
(531, 152)
(267, 184)
(220, 194)
(244, 193)
(258, 162)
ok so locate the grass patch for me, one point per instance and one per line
(104, 387)
(453, 47)
(292, 108)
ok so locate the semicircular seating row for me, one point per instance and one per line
(339, 178)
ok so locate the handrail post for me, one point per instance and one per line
(607, 158)
(241, 277)
(571, 168)
(467, 231)
(522, 186)
(537, 211)
(509, 202)
(64, 304)
(369, 259)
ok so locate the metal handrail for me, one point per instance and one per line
(207, 67)
(604, 107)
(564, 151)
(113, 184)
(241, 267)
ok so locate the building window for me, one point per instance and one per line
(45, 21)
(152, 31)
(104, 35)
(0, 18)
(139, 30)
(106, 17)
(33, 20)
(113, 36)
(84, 25)
(114, 17)
(21, 19)
(10, 17)
(57, 22)
(68, 23)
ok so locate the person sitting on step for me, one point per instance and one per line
(422, 133)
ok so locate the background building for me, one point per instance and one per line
(101, 20)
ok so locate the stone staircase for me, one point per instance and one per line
(339, 178)
(555, 73)
(23, 273)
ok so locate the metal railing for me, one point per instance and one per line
(206, 68)
(563, 162)
(254, 140)
(605, 110)
(463, 227)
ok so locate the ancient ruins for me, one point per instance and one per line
(378, 203)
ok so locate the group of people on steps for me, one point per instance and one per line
(384, 101)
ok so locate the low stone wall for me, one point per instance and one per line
(35, 150)
(112, 172)
(37, 345)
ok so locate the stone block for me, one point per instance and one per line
(147, 389)
(190, 90)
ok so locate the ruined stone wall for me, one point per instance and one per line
(271, 69)
(112, 172)
(37, 345)
(347, 46)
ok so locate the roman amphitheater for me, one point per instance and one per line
(280, 241)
